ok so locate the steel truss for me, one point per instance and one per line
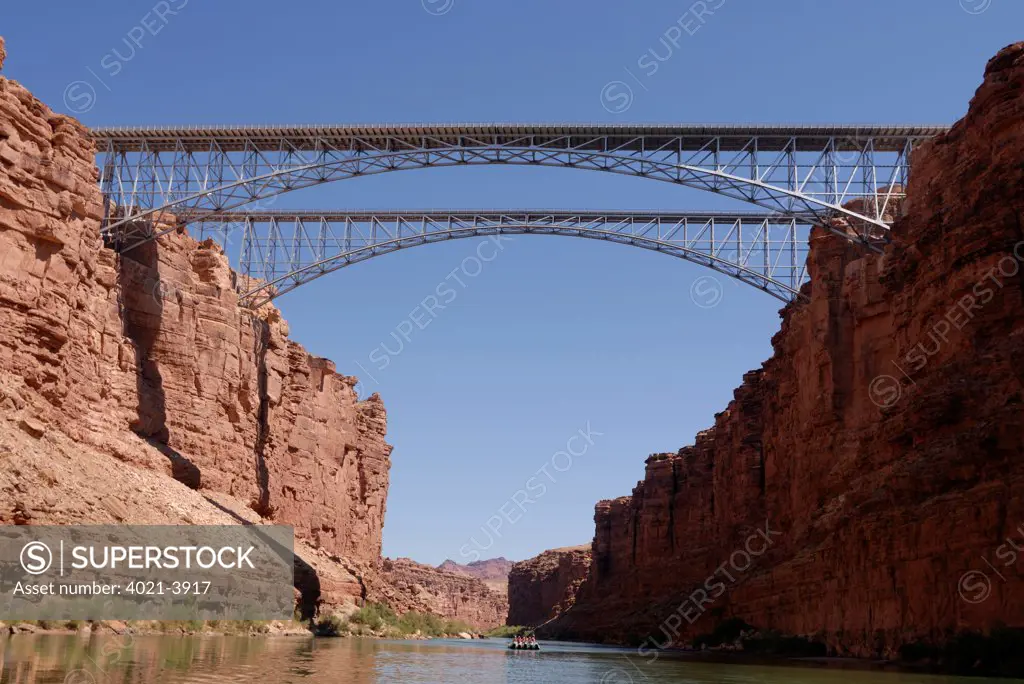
(282, 250)
(793, 170)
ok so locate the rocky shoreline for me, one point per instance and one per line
(273, 628)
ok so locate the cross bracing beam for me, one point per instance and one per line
(856, 173)
(283, 250)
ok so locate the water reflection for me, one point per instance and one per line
(28, 659)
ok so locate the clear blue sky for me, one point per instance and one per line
(556, 332)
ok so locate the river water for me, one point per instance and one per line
(30, 659)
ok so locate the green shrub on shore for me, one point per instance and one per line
(507, 631)
(428, 624)
(50, 625)
(379, 619)
(373, 619)
(333, 626)
(186, 626)
(375, 616)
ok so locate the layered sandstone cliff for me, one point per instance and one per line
(859, 485)
(493, 572)
(133, 389)
(239, 408)
(128, 369)
(545, 586)
(410, 586)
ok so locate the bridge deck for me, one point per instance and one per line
(361, 215)
(626, 137)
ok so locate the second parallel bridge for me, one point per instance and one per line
(282, 250)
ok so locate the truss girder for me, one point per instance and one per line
(281, 251)
(795, 171)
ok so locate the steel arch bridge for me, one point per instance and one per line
(282, 250)
(796, 171)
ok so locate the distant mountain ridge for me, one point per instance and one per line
(492, 572)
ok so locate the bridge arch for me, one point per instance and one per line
(794, 171)
(283, 250)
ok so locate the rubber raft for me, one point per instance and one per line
(531, 647)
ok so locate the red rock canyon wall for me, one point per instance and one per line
(147, 359)
(493, 572)
(120, 373)
(882, 442)
(545, 586)
(411, 586)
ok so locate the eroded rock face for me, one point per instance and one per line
(407, 585)
(240, 408)
(61, 344)
(146, 360)
(118, 374)
(881, 445)
(545, 586)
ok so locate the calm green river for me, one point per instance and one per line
(28, 659)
